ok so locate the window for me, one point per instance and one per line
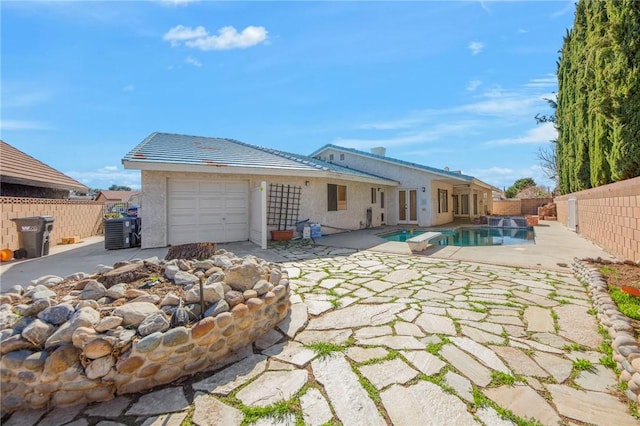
(475, 204)
(373, 196)
(336, 197)
(330, 157)
(382, 199)
(456, 205)
(342, 157)
(443, 201)
(464, 200)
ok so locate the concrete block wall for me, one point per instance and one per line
(608, 215)
(72, 218)
(530, 205)
(506, 208)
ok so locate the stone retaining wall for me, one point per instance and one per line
(626, 351)
(66, 352)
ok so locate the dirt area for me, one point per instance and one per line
(619, 274)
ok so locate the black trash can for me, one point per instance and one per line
(34, 234)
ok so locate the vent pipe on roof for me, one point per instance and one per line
(379, 150)
(446, 168)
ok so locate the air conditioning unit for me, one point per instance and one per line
(118, 233)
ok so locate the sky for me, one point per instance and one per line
(445, 84)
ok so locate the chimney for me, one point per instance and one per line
(446, 168)
(379, 150)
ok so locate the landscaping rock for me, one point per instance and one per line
(93, 290)
(157, 321)
(242, 277)
(134, 313)
(57, 314)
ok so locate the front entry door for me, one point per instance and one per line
(407, 205)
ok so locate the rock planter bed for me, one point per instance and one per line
(626, 350)
(131, 327)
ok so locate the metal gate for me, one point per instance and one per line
(572, 220)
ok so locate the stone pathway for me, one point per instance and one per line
(406, 340)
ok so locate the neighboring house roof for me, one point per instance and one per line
(442, 172)
(22, 169)
(165, 151)
(117, 196)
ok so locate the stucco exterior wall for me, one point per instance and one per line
(409, 179)
(313, 202)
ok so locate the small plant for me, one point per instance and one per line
(277, 411)
(574, 347)
(498, 378)
(608, 270)
(580, 364)
(593, 311)
(324, 349)
(629, 305)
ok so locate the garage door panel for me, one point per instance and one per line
(207, 211)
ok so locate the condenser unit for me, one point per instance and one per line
(118, 233)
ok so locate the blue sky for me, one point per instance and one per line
(452, 84)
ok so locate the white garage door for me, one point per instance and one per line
(202, 210)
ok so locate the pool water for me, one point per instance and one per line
(401, 235)
(485, 236)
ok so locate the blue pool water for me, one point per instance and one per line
(485, 236)
(401, 235)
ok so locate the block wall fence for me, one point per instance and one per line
(518, 207)
(608, 215)
(72, 218)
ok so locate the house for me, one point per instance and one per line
(116, 196)
(21, 175)
(212, 189)
(425, 196)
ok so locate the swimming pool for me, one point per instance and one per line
(401, 236)
(485, 236)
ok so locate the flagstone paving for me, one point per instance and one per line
(406, 340)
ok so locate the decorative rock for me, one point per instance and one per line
(170, 299)
(99, 367)
(222, 262)
(37, 332)
(57, 314)
(262, 286)
(135, 313)
(60, 360)
(108, 323)
(249, 294)
(234, 298)
(102, 269)
(97, 348)
(83, 335)
(242, 277)
(134, 293)
(117, 291)
(212, 293)
(205, 265)
(93, 304)
(170, 271)
(34, 308)
(185, 278)
(47, 280)
(217, 308)
(41, 292)
(93, 290)
(7, 319)
(157, 321)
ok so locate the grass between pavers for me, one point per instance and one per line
(498, 378)
(323, 349)
(480, 401)
(276, 410)
(434, 348)
(580, 365)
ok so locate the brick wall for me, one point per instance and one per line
(72, 218)
(608, 215)
(518, 207)
(506, 207)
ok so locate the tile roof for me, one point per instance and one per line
(222, 152)
(20, 168)
(394, 160)
(117, 195)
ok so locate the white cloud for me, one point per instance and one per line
(476, 47)
(522, 31)
(570, 4)
(128, 88)
(473, 85)
(109, 168)
(193, 61)
(23, 125)
(421, 135)
(180, 33)
(539, 134)
(14, 97)
(549, 81)
(227, 38)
